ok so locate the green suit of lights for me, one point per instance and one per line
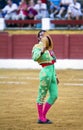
(47, 75)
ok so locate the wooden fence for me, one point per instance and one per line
(19, 46)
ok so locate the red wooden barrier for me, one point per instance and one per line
(57, 22)
(59, 41)
(76, 46)
(66, 22)
(20, 46)
(4, 40)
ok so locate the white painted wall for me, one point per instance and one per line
(30, 64)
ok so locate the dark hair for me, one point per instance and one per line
(40, 32)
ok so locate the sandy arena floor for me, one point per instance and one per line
(18, 92)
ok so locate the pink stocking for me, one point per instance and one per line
(46, 109)
(40, 110)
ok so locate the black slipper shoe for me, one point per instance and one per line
(46, 122)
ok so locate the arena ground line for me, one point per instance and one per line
(73, 84)
(12, 82)
(19, 77)
(21, 82)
